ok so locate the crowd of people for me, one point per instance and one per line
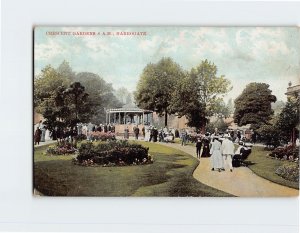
(222, 152)
(42, 133)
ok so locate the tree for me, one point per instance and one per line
(123, 95)
(219, 124)
(100, 93)
(46, 85)
(155, 86)
(288, 120)
(253, 106)
(210, 88)
(230, 106)
(269, 134)
(76, 100)
(185, 102)
(65, 70)
(198, 95)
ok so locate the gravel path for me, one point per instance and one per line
(241, 182)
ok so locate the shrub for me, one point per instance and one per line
(112, 153)
(289, 172)
(61, 148)
(289, 152)
(102, 136)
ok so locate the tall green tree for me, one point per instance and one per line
(288, 120)
(155, 86)
(185, 102)
(253, 106)
(199, 94)
(46, 85)
(210, 87)
(76, 100)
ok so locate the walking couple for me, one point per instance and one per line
(221, 154)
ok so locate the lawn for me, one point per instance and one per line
(265, 167)
(169, 175)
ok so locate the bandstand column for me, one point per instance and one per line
(143, 120)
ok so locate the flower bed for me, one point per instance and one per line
(289, 172)
(102, 136)
(61, 148)
(113, 153)
(286, 153)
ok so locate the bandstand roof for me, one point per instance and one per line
(129, 108)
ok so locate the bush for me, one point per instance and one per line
(289, 172)
(289, 152)
(112, 153)
(102, 136)
(61, 148)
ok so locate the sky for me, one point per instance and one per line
(242, 54)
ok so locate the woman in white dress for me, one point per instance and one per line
(216, 156)
(47, 135)
(147, 134)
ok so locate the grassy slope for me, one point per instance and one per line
(265, 167)
(169, 175)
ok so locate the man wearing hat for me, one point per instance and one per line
(227, 150)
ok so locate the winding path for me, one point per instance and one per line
(241, 182)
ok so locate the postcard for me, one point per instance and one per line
(167, 111)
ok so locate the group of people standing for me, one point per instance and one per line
(42, 133)
(220, 152)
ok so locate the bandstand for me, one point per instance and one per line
(128, 117)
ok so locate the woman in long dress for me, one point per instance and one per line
(205, 151)
(216, 156)
(147, 134)
(47, 135)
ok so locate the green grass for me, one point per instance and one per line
(265, 167)
(169, 175)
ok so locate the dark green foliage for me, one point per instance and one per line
(198, 94)
(288, 120)
(269, 134)
(253, 106)
(113, 152)
(156, 86)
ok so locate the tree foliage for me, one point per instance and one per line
(253, 106)
(123, 95)
(62, 103)
(269, 134)
(219, 124)
(198, 94)
(45, 85)
(100, 93)
(65, 70)
(288, 119)
(156, 84)
(185, 102)
(210, 87)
